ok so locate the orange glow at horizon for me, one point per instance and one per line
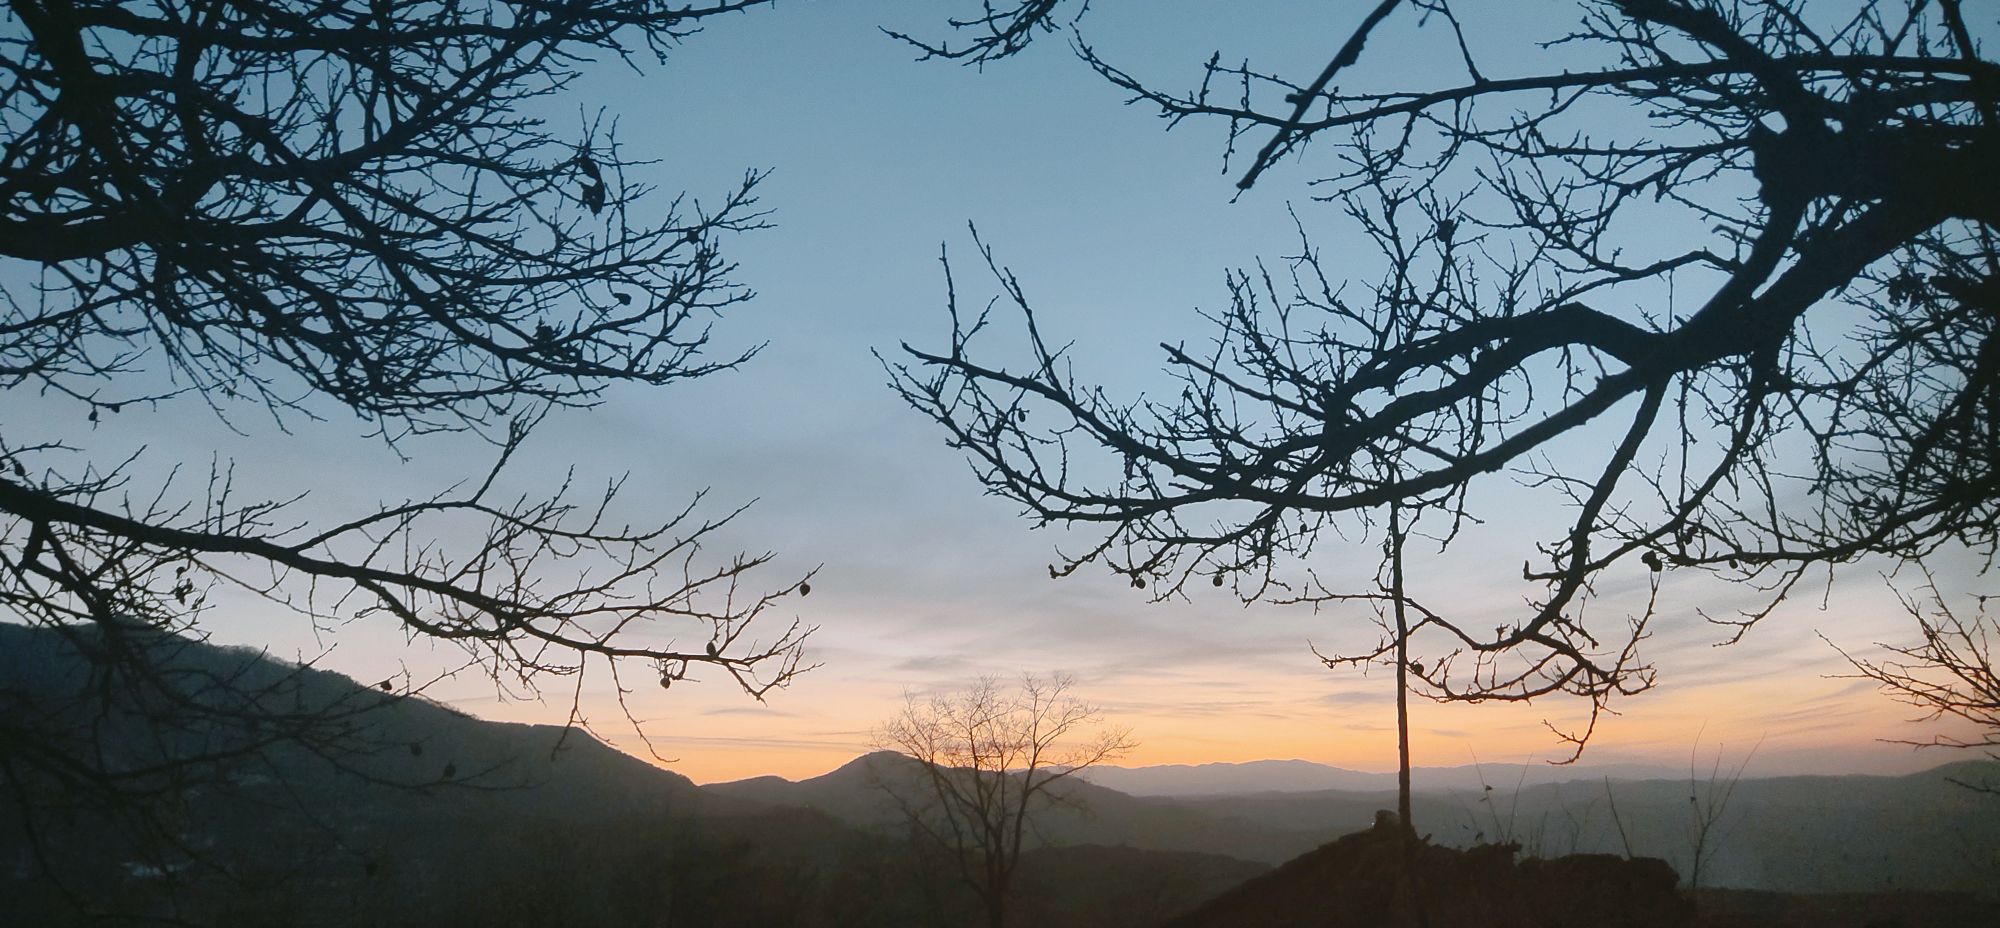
(1810, 725)
(1196, 684)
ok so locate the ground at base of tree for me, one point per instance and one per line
(1354, 882)
(1743, 908)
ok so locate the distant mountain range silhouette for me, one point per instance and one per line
(1300, 776)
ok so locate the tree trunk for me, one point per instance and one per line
(1396, 537)
(1406, 829)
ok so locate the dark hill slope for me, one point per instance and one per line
(241, 722)
(384, 809)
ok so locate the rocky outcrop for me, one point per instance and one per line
(1373, 879)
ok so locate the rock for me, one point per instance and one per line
(1361, 880)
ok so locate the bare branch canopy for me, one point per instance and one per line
(1748, 247)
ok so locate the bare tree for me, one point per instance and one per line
(1745, 246)
(990, 758)
(1950, 675)
(279, 213)
(1708, 804)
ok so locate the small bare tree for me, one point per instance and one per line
(990, 756)
(1708, 803)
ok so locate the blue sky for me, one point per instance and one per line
(1119, 231)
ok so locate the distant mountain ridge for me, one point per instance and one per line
(1086, 814)
(1797, 834)
(1303, 776)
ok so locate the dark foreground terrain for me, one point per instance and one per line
(435, 818)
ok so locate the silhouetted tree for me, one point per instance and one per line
(283, 211)
(990, 757)
(1720, 277)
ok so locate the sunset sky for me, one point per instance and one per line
(1120, 231)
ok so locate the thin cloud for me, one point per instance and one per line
(762, 743)
(756, 710)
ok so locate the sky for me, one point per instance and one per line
(1120, 231)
